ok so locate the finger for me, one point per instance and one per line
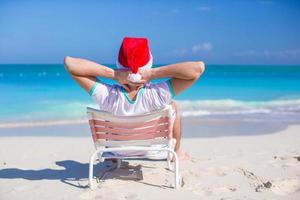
(142, 81)
(138, 83)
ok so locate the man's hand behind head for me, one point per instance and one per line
(146, 74)
(121, 77)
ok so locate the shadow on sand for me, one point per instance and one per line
(74, 171)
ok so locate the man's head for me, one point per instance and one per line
(134, 54)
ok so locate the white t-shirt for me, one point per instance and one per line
(114, 99)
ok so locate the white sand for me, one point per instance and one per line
(220, 168)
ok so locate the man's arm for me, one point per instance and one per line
(182, 74)
(84, 72)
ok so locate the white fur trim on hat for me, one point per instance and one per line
(148, 65)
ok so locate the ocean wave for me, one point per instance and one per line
(237, 107)
(64, 112)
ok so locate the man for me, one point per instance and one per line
(135, 95)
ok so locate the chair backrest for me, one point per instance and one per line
(110, 130)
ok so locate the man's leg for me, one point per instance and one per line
(177, 133)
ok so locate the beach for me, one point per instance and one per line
(221, 166)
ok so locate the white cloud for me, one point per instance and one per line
(203, 8)
(292, 52)
(287, 53)
(206, 46)
(247, 53)
(195, 49)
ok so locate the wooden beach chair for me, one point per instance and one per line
(150, 132)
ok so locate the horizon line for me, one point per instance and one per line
(157, 64)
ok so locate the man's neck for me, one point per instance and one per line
(133, 92)
(133, 88)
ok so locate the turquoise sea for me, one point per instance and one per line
(45, 93)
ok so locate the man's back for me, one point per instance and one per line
(114, 99)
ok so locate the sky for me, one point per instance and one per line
(216, 32)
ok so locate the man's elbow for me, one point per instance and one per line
(68, 64)
(199, 68)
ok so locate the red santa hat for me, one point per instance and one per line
(134, 54)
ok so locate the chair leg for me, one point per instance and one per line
(176, 170)
(169, 162)
(172, 144)
(91, 169)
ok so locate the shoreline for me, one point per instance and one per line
(192, 127)
(42, 123)
(48, 112)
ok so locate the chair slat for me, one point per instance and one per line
(132, 124)
(147, 142)
(141, 130)
(143, 136)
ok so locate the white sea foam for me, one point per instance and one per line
(236, 107)
(62, 112)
